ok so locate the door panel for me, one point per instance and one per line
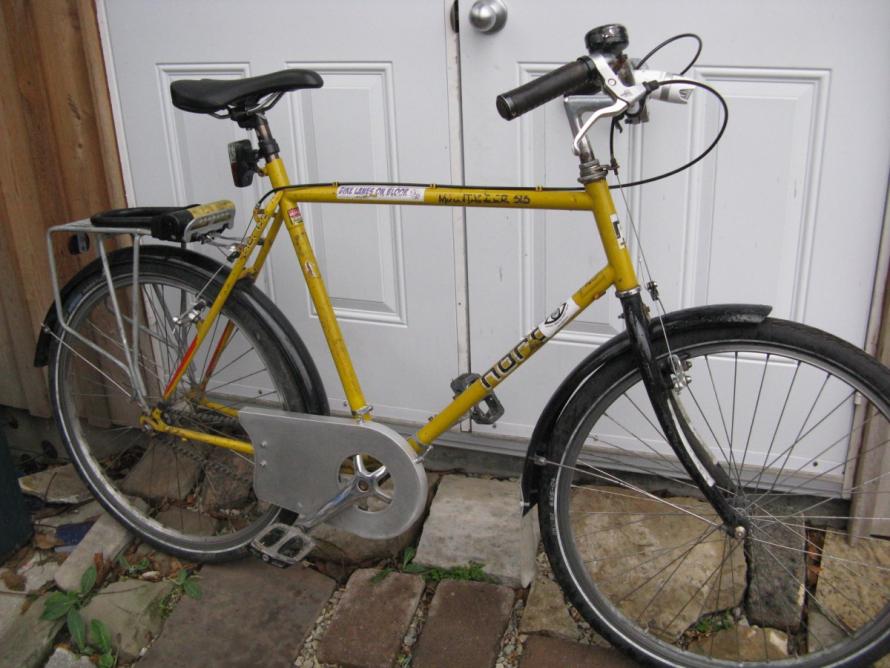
(796, 187)
(381, 116)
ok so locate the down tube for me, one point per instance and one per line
(515, 357)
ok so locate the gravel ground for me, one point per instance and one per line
(512, 642)
(416, 625)
(306, 657)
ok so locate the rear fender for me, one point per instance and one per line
(675, 322)
(314, 396)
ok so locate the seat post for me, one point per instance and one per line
(267, 144)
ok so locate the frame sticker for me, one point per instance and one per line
(396, 193)
(616, 224)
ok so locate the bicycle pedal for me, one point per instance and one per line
(494, 409)
(282, 545)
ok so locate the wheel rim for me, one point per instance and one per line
(613, 499)
(183, 494)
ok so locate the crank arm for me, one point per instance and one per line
(343, 500)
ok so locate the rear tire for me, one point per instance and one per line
(776, 404)
(187, 498)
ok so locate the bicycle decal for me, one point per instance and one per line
(617, 225)
(535, 339)
(396, 193)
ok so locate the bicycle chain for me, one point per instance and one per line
(207, 462)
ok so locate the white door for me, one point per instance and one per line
(797, 185)
(382, 115)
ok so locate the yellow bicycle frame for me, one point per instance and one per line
(284, 208)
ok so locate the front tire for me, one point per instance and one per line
(642, 555)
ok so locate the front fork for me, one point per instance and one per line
(709, 477)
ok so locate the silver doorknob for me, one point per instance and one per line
(488, 15)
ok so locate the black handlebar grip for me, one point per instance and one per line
(546, 87)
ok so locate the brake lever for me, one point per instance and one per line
(624, 96)
(617, 107)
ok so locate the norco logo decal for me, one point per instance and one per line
(514, 358)
(525, 348)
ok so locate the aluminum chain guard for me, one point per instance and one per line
(297, 466)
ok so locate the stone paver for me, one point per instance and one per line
(105, 536)
(371, 620)
(464, 626)
(63, 658)
(59, 484)
(188, 521)
(743, 643)
(474, 519)
(36, 571)
(27, 641)
(333, 544)
(546, 611)
(84, 512)
(778, 552)
(347, 549)
(162, 473)
(664, 566)
(10, 610)
(821, 633)
(250, 614)
(544, 652)
(847, 589)
(131, 609)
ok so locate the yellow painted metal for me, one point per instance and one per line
(594, 288)
(268, 240)
(285, 207)
(449, 415)
(329, 325)
(205, 325)
(514, 198)
(515, 357)
(293, 220)
(219, 441)
(219, 408)
(615, 246)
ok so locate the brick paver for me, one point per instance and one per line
(544, 652)
(371, 620)
(465, 624)
(250, 614)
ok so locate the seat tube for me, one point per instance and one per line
(289, 209)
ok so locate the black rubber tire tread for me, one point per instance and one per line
(240, 304)
(782, 333)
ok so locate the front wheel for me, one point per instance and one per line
(798, 420)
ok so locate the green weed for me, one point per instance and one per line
(68, 605)
(472, 572)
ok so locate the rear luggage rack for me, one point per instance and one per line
(180, 224)
(198, 222)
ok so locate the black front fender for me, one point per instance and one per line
(684, 320)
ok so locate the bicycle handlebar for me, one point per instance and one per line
(594, 73)
(570, 78)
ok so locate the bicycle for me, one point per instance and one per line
(165, 361)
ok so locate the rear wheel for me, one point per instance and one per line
(799, 421)
(186, 497)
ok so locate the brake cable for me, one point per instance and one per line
(700, 156)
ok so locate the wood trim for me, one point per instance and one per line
(58, 162)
